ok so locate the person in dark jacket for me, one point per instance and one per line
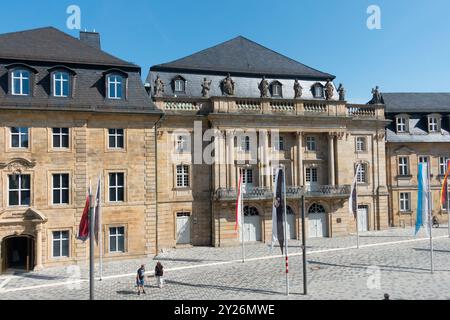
(140, 279)
(159, 273)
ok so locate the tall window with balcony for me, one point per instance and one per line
(19, 190)
(182, 175)
(61, 84)
(20, 83)
(311, 176)
(245, 144)
(19, 138)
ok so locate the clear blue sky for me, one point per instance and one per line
(410, 53)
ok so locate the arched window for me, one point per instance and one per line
(179, 84)
(316, 208)
(276, 89)
(20, 82)
(61, 84)
(250, 211)
(317, 90)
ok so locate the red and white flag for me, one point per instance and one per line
(83, 231)
(239, 204)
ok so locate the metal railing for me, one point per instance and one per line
(292, 192)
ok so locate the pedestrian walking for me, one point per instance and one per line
(140, 279)
(159, 273)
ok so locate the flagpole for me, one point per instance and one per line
(285, 230)
(430, 222)
(91, 246)
(305, 282)
(448, 199)
(358, 168)
(100, 236)
(242, 220)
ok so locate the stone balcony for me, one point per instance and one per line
(264, 193)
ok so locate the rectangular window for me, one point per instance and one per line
(179, 86)
(117, 239)
(423, 159)
(433, 124)
(60, 244)
(401, 125)
(311, 144)
(245, 144)
(20, 84)
(182, 144)
(19, 138)
(279, 145)
(115, 87)
(182, 176)
(403, 167)
(360, 144)
(61, 84)
(443, 165)
(19, 190)
(60, 189)
(362, 174)
(247, 177)
(405, 202)
(116, 138)
(116, 187)
(60, 138)
(311, 175)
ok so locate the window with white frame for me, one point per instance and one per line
(433, 124)
(318, 90)
(60, 138)
(362, 173)
(311, 144)
(245, 143)
(403, 166)
(180, 85)
(277, 90)
(116, 239)
(116, 138)
(182, 143)
(115, 85)
(401, 125)
(116, 187)
(19, 190)
(423, 159)
(19, 138)
(405, 201)
(60, 244)
(361, 144)
(443, 165)
(279, 144)
(311, 175)
(61, 84)
(60, 188)
(20, 84)
(182, 176)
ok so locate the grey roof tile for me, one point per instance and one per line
(417, 102)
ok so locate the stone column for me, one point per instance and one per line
(300, 172)
(266, 151)
(331, 170)
(230, 160)
(38, 247)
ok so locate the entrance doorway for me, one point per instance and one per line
(183, 228)
(363, 218)
(18, 253)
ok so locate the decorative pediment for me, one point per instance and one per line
(17, 165)
(30, 215)
(403, 150)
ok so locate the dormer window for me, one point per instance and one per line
(433, 124)
(61, 84)
(115, 85)
(401, 125)
(20, 82)
(179, 84)
(317, 90)
(277, 89)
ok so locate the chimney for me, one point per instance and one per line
(91, 38)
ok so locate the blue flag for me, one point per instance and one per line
(423, 198)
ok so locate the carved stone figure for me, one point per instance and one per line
(298, 89)
(264, 88)
(377, 98)
(206, 86)
(228, 86)
(159, 87)
(329, 90)
(341, 91)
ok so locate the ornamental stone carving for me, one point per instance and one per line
(228, 86)
(329, 90)
(18, 165)
(264, 88)
(298, 89)
(206, 87)
(341, 91)
(159, 87)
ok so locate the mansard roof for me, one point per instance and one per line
(242, 56)
(52, 45)
(417, 102)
